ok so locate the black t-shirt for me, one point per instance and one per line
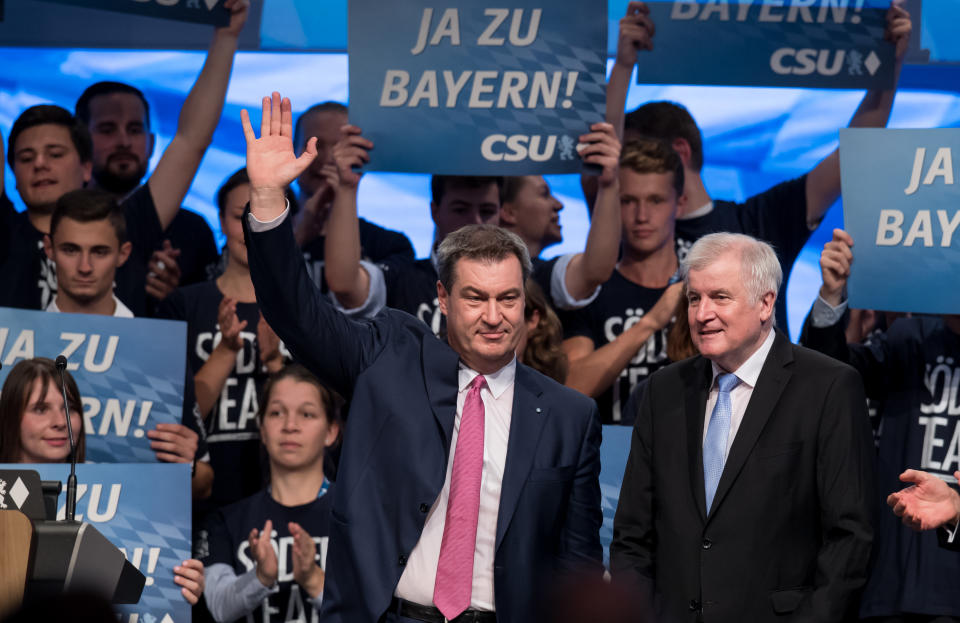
(229, 529)
(620, 304)
(412, 287)
(233, 436)
(914, 369)
(377, 244)
(190, 233)
(778, 215)
(28, 278)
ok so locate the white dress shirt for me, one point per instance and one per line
(748, 373)
(419, 576)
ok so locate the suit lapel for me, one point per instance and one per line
(526, 421)
(773, 378)
(697, 377)
(440, 368)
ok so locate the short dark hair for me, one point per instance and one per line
(483, 243)
(43, 114)
(16, 394)
(108, 88)
(667, 121)
(440, 183)
(328, 106)
(86, 205)
(239, 178)
(651, 155)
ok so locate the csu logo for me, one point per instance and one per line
(517, 147)
(807, 61)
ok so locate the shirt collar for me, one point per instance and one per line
(497, 382)
(749, 370)
(119, 311)
(703, 210)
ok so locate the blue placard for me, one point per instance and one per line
(130, 372)
(901, 205)
(474, 90)
(614, 451)
(145, 511)
(199, 11)
(832, 44)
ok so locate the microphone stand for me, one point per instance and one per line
(71, 507)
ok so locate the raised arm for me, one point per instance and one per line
(331, 345)
(347, 279)
(588, 270)
(823, 182)
(198, 119)
(635, 34)
(592, 370)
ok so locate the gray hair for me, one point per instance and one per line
(480, 242)
(760, 270)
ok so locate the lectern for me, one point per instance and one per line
(40, 556)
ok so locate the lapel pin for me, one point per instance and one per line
(538, 410)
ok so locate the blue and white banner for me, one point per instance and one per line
(200, 11)
(130, 372)
(476, 89)
(145, 511)
(614, 450)
(832, 44)
(901, 205)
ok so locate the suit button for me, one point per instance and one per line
(694, 605)
(424, 508)
(403, 560)
(707, 544)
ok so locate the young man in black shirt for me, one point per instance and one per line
(784, 215)
(377, 244)
(620, 338)
(118, 118)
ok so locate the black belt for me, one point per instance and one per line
(431, 614)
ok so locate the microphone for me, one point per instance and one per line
(71, 508)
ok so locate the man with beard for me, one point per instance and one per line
(118, 118)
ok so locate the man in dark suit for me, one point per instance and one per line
(745, 496)
(467, 479)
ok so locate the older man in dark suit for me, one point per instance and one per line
(467, 479)
(745, 496)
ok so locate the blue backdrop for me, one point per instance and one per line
(754, 137)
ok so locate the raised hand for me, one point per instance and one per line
(190, 577)
(636, 33)
(600, 146)
(835, 260)
(899, 27)
(230, 324)
(262, 553)
(270, 355)
(173, 443)
(239, 9)
(306, 572)
(927, 503)
(271, 162)
(163, 274)
(350, 151)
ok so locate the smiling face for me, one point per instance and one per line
(484, 311)
(535, 213)
(122, 142)
(727, 323)
(295, 428)
(46, 166)
(43, 425)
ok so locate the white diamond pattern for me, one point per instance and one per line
(19, 493)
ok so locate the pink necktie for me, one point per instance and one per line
(451, 593)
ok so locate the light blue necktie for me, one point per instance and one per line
(715, 443)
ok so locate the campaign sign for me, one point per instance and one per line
(200, 11)
(614, 450)
(901, 205)
(130, 372)
(832, 44)
(145, 511)
(476, 89)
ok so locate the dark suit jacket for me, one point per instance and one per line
(402, 382)
(789, 531)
